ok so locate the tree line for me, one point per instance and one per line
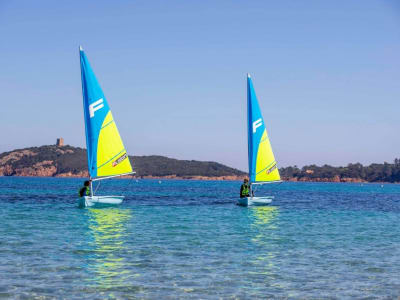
(386, 172)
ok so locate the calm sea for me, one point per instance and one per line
(188, 239)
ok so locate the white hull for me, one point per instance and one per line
(88, 201)
(256, 201)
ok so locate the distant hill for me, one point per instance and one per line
(68, 161)
(385, 172)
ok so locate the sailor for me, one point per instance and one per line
(245, 189)
(85, 190)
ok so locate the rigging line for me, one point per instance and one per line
(254, 189)
(97, 187)
(129, 183)
(274, 186)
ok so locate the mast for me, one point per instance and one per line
(249, 140)
(91, 187)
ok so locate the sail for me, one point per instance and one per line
(105, 151)
(262, 164)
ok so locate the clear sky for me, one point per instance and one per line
(326, 74)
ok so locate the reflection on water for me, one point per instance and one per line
(264, 225)
(265, 214)
(109, 234)
(264, 222)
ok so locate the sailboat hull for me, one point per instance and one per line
(255, 201)
(90, 201)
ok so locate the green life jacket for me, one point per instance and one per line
(83, 191)
(245, 190)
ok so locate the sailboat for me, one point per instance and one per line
(262, 164)
(106, 154)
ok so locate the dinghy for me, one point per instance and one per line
(106, 154)
(262, 165)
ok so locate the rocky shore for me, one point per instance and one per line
(51, 171)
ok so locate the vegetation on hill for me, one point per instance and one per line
(72, 161)
(385, 172)
(67, 160)
(162, 166)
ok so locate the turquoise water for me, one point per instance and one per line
(187, 239)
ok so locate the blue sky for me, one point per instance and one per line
(326, 74)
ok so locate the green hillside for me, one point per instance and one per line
(53, 161)
(161, 166)
(386, 172)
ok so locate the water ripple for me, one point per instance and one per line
(188, 239)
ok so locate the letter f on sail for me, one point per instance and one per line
(256, 124)
(95, 106)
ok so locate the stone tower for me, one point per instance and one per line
(60, 142)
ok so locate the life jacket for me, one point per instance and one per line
(245, 190)
(83, 191)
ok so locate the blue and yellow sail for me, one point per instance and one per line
(106, 153)
(262, 163)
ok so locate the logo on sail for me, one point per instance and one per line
(95, 106)
(119, 160)
(257, 124)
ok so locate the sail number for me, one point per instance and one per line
(257, 124)
(95, 106)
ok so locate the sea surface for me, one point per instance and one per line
(177, 239)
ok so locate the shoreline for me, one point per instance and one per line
(211, 178)
(171, 177)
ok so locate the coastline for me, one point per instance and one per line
(68, 161)
(336, 179)
(175, 177)
(84, 175)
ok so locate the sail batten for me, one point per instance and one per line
(262, 164)
(105, 150)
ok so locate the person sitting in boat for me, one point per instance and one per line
(245, 189)
(85, 190)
